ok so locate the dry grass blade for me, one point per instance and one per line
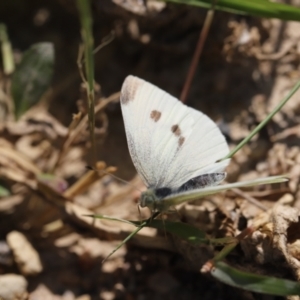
(81, 185)
(81, 126)
(250, 199)
(197, 54)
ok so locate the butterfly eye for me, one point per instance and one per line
(148, 199)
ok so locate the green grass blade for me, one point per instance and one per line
(259, 8)
(32, 76)
(264, 122)
(84, 8)
(196, 194)
(104, 217)
(140, 226)
(182, 230)
(132, 234)
(6, 51)
(253, 282)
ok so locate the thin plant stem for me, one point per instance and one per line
(197, 54)
(264, 122)
(84, 8)
(132, 234)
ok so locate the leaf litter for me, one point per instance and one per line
(43, 166)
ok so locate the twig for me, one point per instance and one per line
(250, 199)
(82, 125)
(197, 53)
(85, 181)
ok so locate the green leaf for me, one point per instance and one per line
(6, 51)
(32, 76)
(4, 192)
(187, 232)
(259, 8)
(255, 283)
(104, 217)
(182, 230)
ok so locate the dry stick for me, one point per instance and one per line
(250, 199)
(82, 125)
(197, 53)
(74, 123)
(106, 41)
(19, 159)
(259, 194)
(79, 63)
(85, 181)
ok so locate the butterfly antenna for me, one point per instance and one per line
(112, 175)
(174, 211)
(140, 214)
(165, 231)
(154, 215)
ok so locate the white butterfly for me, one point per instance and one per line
(175, 148)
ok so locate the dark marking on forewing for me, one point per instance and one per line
(155, 115)
(176, 130)
(129, 89)
(202, 181)
(181, 141)
(162, 192)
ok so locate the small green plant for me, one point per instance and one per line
(32, 77)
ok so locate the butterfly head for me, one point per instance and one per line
(149, 199)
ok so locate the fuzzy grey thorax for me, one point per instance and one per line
(153, 199)
(149, 199)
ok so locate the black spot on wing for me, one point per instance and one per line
(202, 181)
(162, 192)
(155, 115)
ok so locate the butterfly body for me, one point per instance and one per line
(153, 198)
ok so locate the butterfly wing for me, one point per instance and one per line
(169, 142)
